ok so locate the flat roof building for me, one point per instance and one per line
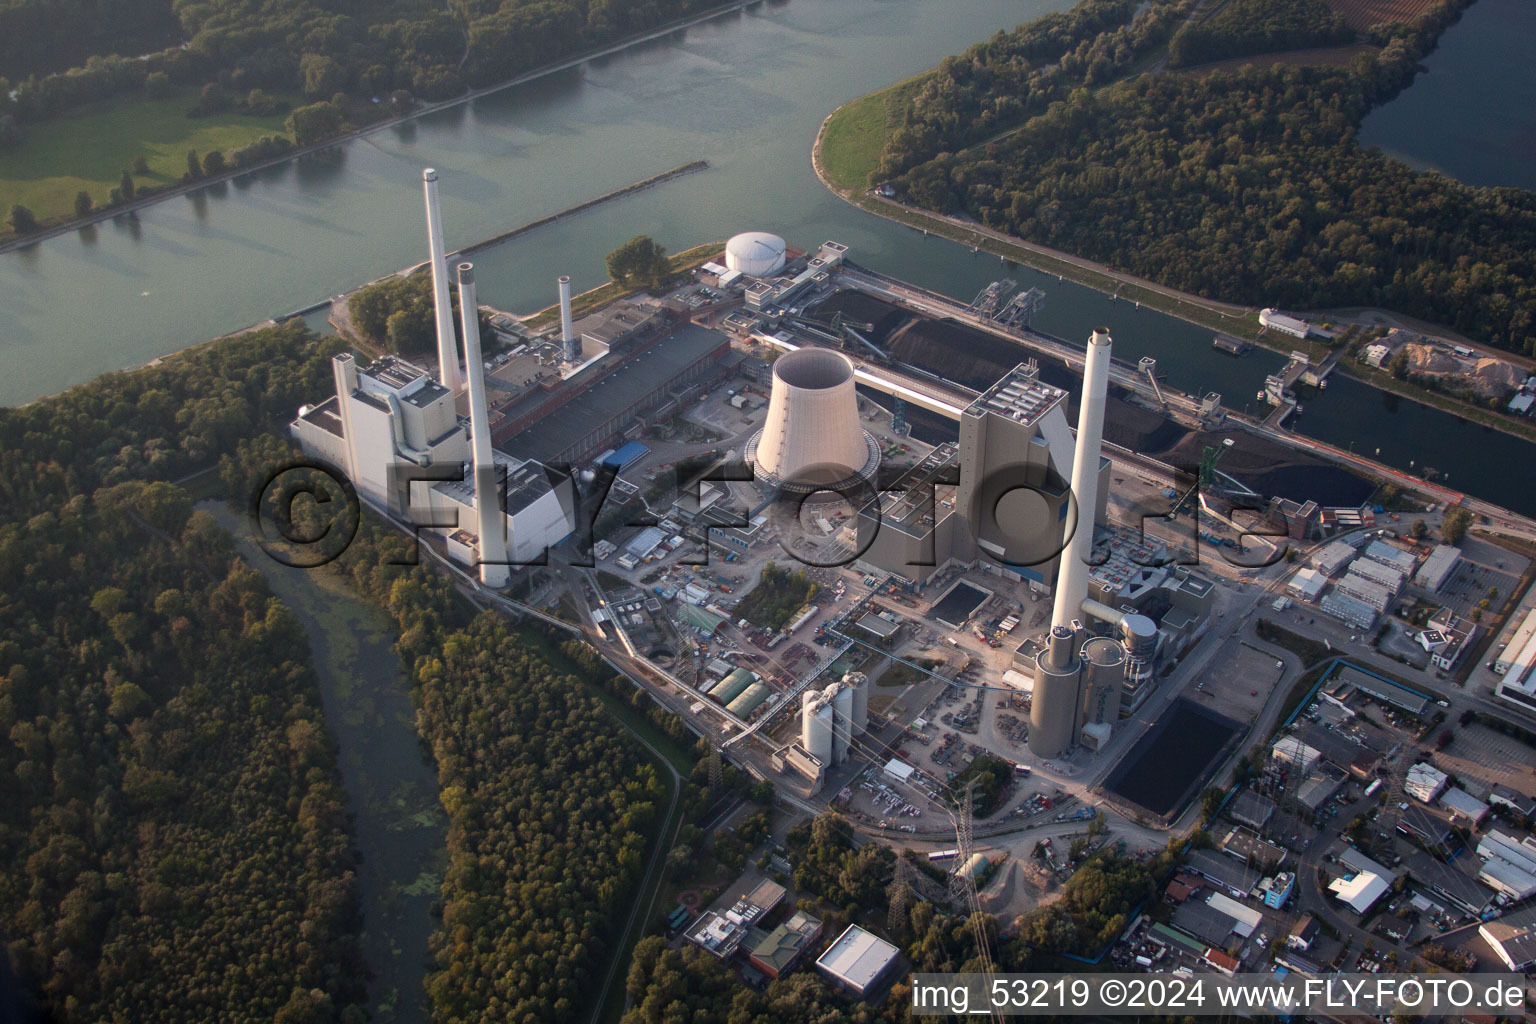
(1390, 554)
(858, 961)
(782, 950)
(1347, 609)
(1437, 568)
(1331, 558)
(1513, 939)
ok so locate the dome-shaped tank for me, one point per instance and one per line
(755, 253)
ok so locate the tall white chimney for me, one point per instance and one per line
(490, 523)
(447, 346)
(569, 349)
(1072, 582)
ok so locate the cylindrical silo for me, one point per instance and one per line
(1054, 703)
(1103, 661)
(859, 683)
(1140, 636)
(812, 437)
(816, 726)
(842, 721)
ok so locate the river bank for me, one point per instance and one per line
(391, 784)
(1227, 318)
(129, 209)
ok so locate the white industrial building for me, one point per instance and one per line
(1348, 609)
(1517, 665)
(1462, 804)
(1513, 939)
(1388, 554)
(1367, 591)
(1332, 557)
(1307, 584)
(395, 431)
(1361, 891)
(1437, 568)
(1278, 321)
(1424, 782)
(1295, 755)
(858, 961)
(1391, 577)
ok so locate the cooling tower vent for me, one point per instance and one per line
(812, 439)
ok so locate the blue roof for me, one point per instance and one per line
(627, 454)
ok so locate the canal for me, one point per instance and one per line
(398, 822)
(745, 92)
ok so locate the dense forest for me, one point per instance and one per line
(61, 53)
(1252, 187)
(998, 84)
(173, 842)
(173, 839)
(549, 803)
(1246, 27)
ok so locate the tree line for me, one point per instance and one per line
(60, 54)
(1246, 27)
(1001, 83)
(1252, 187)
(174, 843)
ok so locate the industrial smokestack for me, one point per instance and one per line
(1072, 582)
(568, 345)
(447, 346)
(489, 521)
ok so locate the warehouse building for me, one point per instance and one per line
(859, 962)
(1350, 610)
(1438, 567)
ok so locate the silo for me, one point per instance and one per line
(859, 682)
(816, 726)
(1103, 661)
(842, 722)
(812, 437)
(1140, 636)
(1054, 704)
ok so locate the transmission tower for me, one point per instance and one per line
(962, 884)
(896, 921)
(716, 770)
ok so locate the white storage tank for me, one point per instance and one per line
(816, 726)
(755, 253)
(842, 731)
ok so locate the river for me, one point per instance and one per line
(745, 92)
(391, 786)
(1478, 93)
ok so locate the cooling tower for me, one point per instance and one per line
(570, 347)
(1103, 661)
(490, 523)
(812, 438)
(442, 304)
(1053, 706)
